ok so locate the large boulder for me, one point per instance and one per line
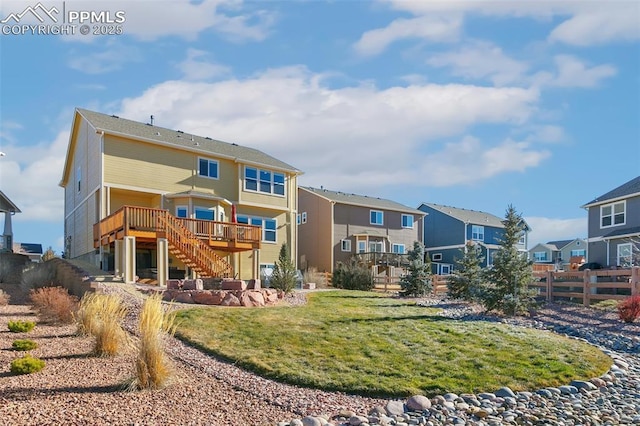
(230, 300)
(205, 298)
(234, 285)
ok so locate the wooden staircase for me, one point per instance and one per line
(193, 252)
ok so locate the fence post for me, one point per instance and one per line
(635, 280)
(586, 287)
(549, 286)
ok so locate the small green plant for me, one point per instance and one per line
(352, 275)
(629, 309)
(19, 326)
(24, 345)
(26, 365)
(54, 304)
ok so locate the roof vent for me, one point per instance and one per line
(178, 136)
(208, 138)
(115, 116)
(196, 144)
(157, 133)
(234, 144)
(179, 131)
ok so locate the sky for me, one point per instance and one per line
(472, 104)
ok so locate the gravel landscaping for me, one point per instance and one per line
(76, 388)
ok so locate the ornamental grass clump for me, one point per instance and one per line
(19, 326)
(101, 316)
(26, 365)
(4, 298)
(153, 369)
(23, 345)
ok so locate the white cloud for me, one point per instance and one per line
(481, 60)
(550, 229)
(572, 72)
(195, 68)
(337, 134)
(432, 28)
(112, 58)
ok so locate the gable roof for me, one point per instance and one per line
(28, 248)
(468, 216)
(6, 205)
(626, 190)
(560, 244)
(114, 125)
(361, 200)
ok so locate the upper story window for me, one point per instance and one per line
(269, 226)
(264, 181)
(523, 239)
(477, 232)
(540, 256)
(376, 217)
(612, 214)
(208, 168)
(581, 252)
(407, 221)
(345, 245)
(436, 256)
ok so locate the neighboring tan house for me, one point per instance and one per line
(336, 226)
(447, 230)
(142, 199)
(9, 209)
(614, 226)
(559, 253)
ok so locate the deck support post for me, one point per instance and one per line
(256, 265)
(163, 261)
(118, 258)
(129, 255)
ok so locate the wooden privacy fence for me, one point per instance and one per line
(588, 285)
(384, 283)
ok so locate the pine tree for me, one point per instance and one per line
(467, 281)
(283, 276)
(511, 272)
(417, 282)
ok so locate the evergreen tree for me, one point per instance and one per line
(511, 273)
(417, 282)
(467, 281)
(284, 273)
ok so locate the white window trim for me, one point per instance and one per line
(264, 229)
(202, 208)
(410, 216)
(540, 252)
(210, 161)
(345, 245)
(182, 207)
(257, 190)
(381, 217)
(436, 256)
(398, 245)
(364, 249)
(630, 248)
(613, 214)
(303, 219)
(479, 227)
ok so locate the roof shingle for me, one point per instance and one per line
(361, 200)
(628, 188)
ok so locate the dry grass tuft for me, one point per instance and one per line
(4, 298)
(54, 304)
(312, 275)
(153, 369)
(101, 315)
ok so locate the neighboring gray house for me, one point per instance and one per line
(447, 230)
(9, 209)
(614, 226)
(559, 252)
(334, 226)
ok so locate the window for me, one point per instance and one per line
(582, 252)
(445, 269)
(298, 218)
(362, 246)
(376, 217)
(522, 239)
(376, 246)
(397, 248)
(540, 256)
(208, 168)
(436, 256)
(204, 213)
(304, 217)
(477, 232)
(181, 211)
(78, 177)
(407, 221)
(625, 255)
(612, 214)
(345, 245)
(264, 181)
(269, 226)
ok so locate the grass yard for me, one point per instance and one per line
(369, 344)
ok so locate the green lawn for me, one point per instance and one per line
(368, 344)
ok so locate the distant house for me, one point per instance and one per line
(447, 230)
(31, 250)
(335, 226)
(558, 253)
(140, 198)
(614, 226)
(9, 209)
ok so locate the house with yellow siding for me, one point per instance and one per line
(147, 201)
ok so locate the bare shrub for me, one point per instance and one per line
(311, 275)
(4, 298)
(54, 304)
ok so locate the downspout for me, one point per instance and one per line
(608, 254)
(101, 207)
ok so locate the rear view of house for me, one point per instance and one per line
(142, 199)
(561, 254)
(337, 226)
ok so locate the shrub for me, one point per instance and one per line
(101, 316)
(153, 369)
(54, 304)
(19, 326)
(467, 280)
(4, 298)
(352, 276)
(26, 365)
(629, 309)
(417, 281)
(312, 275)
(24, 345)
(284, 273)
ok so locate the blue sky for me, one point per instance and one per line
(470, 104)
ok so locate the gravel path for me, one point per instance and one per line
(77, 389)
